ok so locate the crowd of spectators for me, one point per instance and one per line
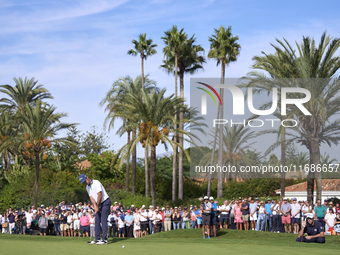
(71, 220)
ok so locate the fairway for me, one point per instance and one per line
(173, 242)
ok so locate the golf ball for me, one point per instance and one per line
(123, 246)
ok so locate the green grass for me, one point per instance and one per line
(173, 242)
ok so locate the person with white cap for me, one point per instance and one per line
(206, 216)
(296, 208)
(314, 230)
(101, 204)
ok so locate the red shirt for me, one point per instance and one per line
(162, 214)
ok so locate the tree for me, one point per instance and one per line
(145, 48)
(225, 49)
(115, 100)
(156, 121)
(190, 61)
(25, 92)
(40, 126)
(93, 142)
(317, 66)
(173, 40)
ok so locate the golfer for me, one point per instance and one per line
(101, 204)
(314, 230)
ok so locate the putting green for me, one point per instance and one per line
(173, 242)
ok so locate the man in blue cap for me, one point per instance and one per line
(101, 205)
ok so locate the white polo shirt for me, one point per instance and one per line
(93, 190)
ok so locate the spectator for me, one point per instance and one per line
(84, 222)
(42, 224)
(136, 223)
(261, 219)
(286, 211)
(213, 220)
(330, 219)
(129, 223)
(121, 225)
(69, 224)
(92, 223)
(269, 216)
(185, 217)
(296, 208)
(143, 220)
(281, 228)
(337, 224)
(161, 212)
(11, 221)
(63, 222)
(314, 230)
(198, 214)
(29, 218)
(206, 216)
(253, 213)
(337, 208)
(245, 213)
(224, 218)
(320, 212)
(237, 213)
(307, 210)
(150, 215)
(111, 222)
(167, 218)
(232, 216)
(57, 225)
(76, 222)
(157, 219)
(176, 219)
(275, 212)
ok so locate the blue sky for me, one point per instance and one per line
(76, 49)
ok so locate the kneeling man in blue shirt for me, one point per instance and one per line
(314, 230)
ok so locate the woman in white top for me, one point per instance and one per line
(306, 210)
(330, 219)
(92, 223)
(70, 224)
(136, 220)
(261, 217)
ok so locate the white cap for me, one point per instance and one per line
(143, 206)
(116, 203)
(132, 206)
(206, 197)
(42, 206)
(163, 208)
(211, 198)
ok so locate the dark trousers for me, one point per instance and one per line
(129, 231)
(322, 222)
(112, 230)
(281, 227)
(232, 223)
(313, 240)
(101, 217)
(276, 223)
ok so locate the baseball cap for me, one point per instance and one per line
(163, 208)
(82, 178)
(116, 202)
(143, 206)
(294, 199)
(42, 206)
(211, 198)
(325, 200)
(206, 198)
(128, 211)
(309, 217)
(269, 199)
(256, 199)
(132, 205)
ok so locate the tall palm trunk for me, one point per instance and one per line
(142, 66)
(174, 162)
(147, 191)
(283, 161)
(134, 165)
(315, 160)
(127, 181)
(213, 154)
(220, 144)
(181, 153)
(36, 185)
(153, 174)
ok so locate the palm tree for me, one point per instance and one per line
(173, 39)
(318, 67)
(145, 48)
(190, 61)
(8, 141)
(25, 92)
(225, 49)
(156, 121)
(117, 96)
(40, 126)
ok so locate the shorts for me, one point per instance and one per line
(206, 218)
(42, 230)
(76, 226)
(224, 218)
(85, 229)
(63, 227)
(286, 219)
(199, 221)
(245, 217)
(69, 225)
(144, 225)
(254, 217)
(213, 219)
(295, 220)
(121, 231)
